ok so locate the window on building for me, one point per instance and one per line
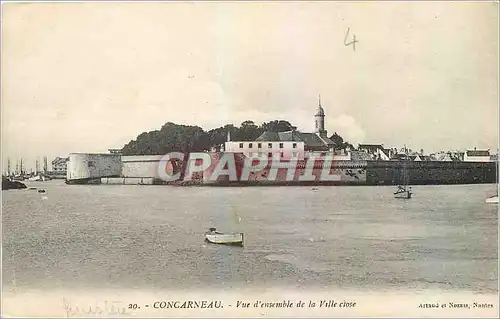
(270, 154)
(269, 145)
(259, 145)
(250, 145)
(241, 145)
(294, 145)
(250, 154)
(282, 154)
(281, 145)
(294, 154)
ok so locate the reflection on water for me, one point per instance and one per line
(153, 236)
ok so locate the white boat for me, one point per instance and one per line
(215, 237)
(492, 199)
(38, 177)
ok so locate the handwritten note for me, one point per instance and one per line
(104, 308)
(353, 42)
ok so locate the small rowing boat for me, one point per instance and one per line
(492, 199)
(215, 237)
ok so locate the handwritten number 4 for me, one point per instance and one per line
(353, 42)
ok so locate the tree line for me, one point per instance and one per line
(186, 138)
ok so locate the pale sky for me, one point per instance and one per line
(85, 77)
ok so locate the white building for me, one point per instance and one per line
(59, 164)
(376, 151)
(289, 144)
(286, 150)
(477, 156)
(442, 157)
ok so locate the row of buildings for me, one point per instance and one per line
(378, 152)
(295, 144)
(299, 145)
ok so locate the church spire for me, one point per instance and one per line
(319, 119)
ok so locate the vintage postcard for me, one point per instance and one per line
(250, 159)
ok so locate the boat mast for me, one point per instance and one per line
(45, 165)
(405, 168)
(404, 172)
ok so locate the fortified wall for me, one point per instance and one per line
(143, 169)
(89, 168)
(431, 173)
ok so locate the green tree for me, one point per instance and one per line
(249, 131)
(278, 126)
(339, 142)
(185, 138)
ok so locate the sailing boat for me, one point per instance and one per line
(404, 191)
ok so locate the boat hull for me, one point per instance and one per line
(403, 195)
(225, 239)
(492, 200)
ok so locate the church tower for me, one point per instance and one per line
(319, 119)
